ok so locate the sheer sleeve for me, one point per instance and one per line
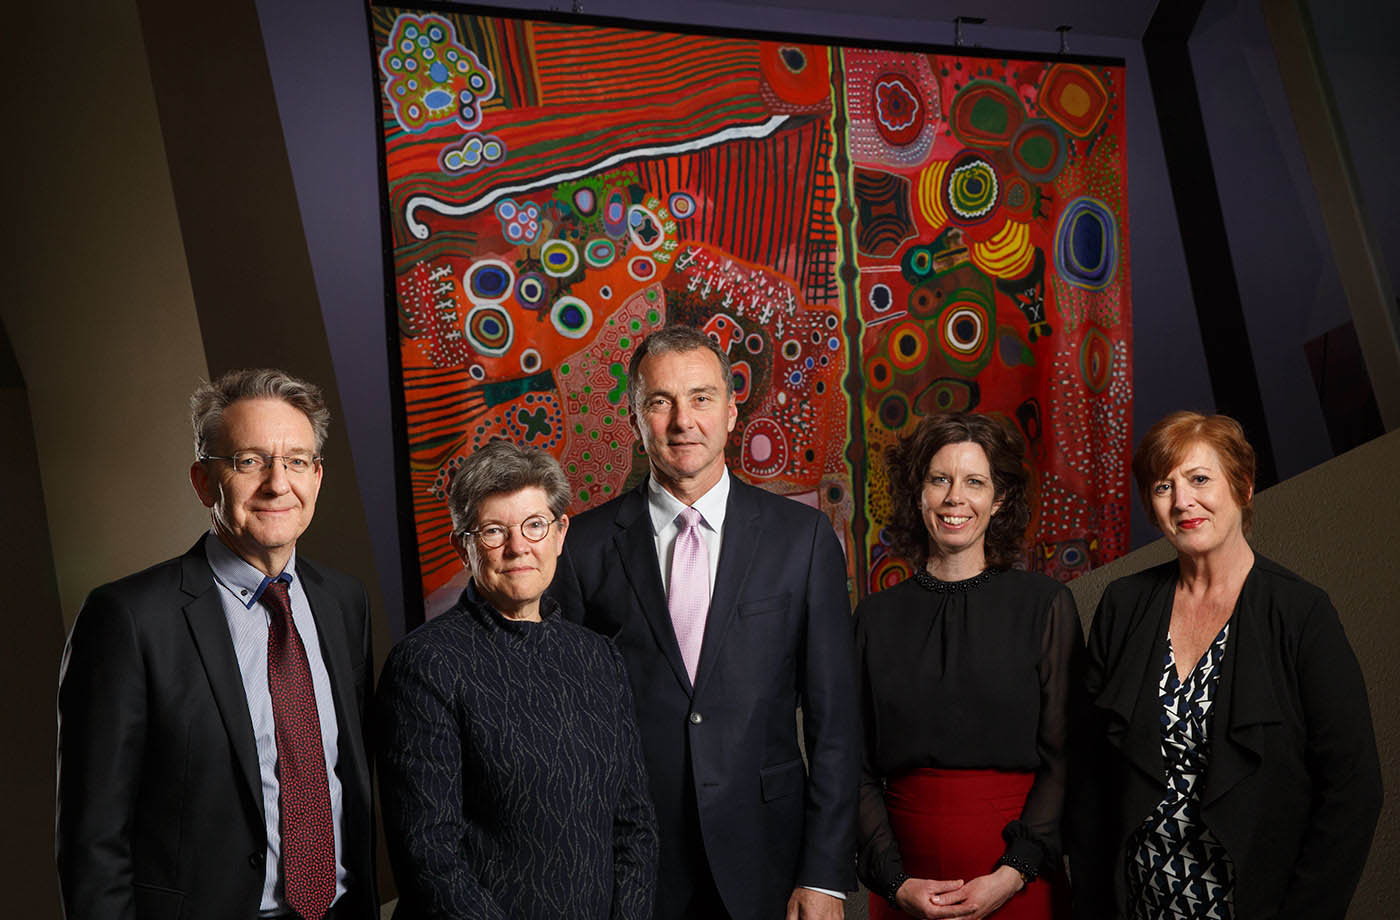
(878, 862)
(1033, 842)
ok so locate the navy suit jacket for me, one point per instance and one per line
(778, 635)
(160, 811)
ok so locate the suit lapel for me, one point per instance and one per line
(335, 652)
(205, 615)
(636, 547)
(742, 522)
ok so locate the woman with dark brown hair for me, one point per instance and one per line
(966, 675)
(1232, 769)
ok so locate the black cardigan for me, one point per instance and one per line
(1293, 789)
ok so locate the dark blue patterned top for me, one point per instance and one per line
(1178, 869)
(511, 776)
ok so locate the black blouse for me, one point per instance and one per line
(967, 675)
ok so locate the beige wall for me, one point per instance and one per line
(100, 313)
(1337, 525)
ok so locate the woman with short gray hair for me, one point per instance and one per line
(511, 773)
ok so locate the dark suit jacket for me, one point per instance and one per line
(160, 811)
(1293, 787)
(778, 635)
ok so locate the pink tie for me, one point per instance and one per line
(689, 600)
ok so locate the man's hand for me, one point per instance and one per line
(806, 904)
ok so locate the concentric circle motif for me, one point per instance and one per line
(742, 372)
(681, 205)
(489, 281)
(489, 329)
(531, 289)
(571, 317)
(924, 301)
(949, 394)
(889, 571)
(908, 346)
(1096, 360)
(585, 201)
(985, 113)
(880, 298)
(791, 349)
(899, 109)
(765, 449)
(753, 343)
(893, 411)
(559, 258)
(641, 268)
(615, 215)
(972, 190)
(530, 360)
(965, 330)
(476, 372)
(1039, 150)
(599, 253)
(1086, 244)
(644, 228)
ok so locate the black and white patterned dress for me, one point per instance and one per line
(1177, 869)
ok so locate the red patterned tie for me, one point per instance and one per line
(308, 840)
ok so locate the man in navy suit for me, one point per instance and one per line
(748, 831)
(211, 755)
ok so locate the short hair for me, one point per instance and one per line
(1170, 439)
(501, 467)
(907, 462)
(675, 339)
(210, 399)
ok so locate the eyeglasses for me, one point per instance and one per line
(255, 462)
(493, 536)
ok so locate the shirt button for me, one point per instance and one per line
(255, 860)
(696, 718)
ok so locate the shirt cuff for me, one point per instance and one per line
(834, 894)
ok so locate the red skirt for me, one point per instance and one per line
(948, 825)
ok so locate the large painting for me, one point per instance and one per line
(872, 235)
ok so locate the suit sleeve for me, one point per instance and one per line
(830, 721)
(101, 736)
(635, 845)
(420, 785)
(565, 588)
(1344, 767)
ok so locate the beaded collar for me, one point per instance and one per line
(929, 583)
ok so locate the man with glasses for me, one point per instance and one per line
(212, 759)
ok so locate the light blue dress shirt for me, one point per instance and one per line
(240, 587)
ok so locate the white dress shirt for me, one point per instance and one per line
(241, 585)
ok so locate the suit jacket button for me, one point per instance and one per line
(255, 860)
(696, 718)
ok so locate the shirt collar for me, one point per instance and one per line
(242, 579)
(663, 506)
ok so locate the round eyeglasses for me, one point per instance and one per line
(493, 536)
(255, 462)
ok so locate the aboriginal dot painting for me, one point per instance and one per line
(871, 235)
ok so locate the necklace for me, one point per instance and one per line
(929, 583)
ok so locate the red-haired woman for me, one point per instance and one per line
(966, 674)
(1233, 772)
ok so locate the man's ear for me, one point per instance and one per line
(204, 485)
